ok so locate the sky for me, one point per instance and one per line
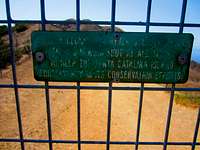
(100, 10)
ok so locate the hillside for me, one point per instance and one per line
(94, 107)
(22, 43)
(195, 71)
(22, 37)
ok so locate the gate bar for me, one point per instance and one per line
(109, 115)
(139, 116)
(48, 106)
(183, 11)
(96, 142)
(142, 84)
(14, 76)
(196, 131)
(169, 118)
(184, 6)
(113, 11)
(37, 86)
(78, 83)
(164, 24)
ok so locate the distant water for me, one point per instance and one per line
(196, 55)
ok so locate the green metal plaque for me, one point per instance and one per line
(107, 56)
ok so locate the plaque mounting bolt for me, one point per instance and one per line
(39, 56)
(182, 59)
(117, 36)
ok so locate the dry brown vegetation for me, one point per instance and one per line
(22, 45)
(190, 99)
(94, 106)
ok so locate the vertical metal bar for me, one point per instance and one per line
(196, 131)
(48, 106)
(113, 15)
(78, 83)
(42, 6)
(139, 115)
(169, 117)
(142, 84)
(109, 115)
(14, 75)
(148, 15)
(184, 6)
(110, 83)
(78, 116)
(78, 15)
(182, 20)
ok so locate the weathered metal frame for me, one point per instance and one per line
(109, 88)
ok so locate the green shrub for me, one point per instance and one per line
(20, 28)
(27, 49)
(3, 30)
(188, 100)
(18, 53)
(4, 55)
(4, 58)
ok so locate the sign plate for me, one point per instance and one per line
(107, 56)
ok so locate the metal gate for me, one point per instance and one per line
(15, 86)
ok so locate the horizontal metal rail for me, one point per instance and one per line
(37, 86)
(96, 142)
(103, 23)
